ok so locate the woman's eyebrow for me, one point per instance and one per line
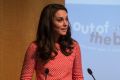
(61, 17)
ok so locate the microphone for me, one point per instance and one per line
(91, 73)
(46, 73)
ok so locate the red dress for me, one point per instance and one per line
(61, 68)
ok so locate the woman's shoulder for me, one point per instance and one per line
(33, 45)
(75, 43)
(31, 50)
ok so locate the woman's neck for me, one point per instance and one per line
(57, 38)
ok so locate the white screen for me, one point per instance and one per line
(96, 26)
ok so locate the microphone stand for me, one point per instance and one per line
(46, 73)
(91, 73)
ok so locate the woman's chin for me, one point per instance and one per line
(63, 34)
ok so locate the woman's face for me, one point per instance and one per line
(60, 22)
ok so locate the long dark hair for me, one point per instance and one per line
(45, 38)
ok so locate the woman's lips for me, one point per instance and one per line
(64, 29)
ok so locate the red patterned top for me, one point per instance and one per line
(61, 68)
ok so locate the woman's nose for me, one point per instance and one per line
(65, 23)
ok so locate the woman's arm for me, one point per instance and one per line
(29, 63)
(77, 73)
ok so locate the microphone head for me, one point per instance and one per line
(46, 71)
(89, 71)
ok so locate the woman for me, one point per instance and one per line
(54, 55)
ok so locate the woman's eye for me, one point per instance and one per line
(59, 19)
